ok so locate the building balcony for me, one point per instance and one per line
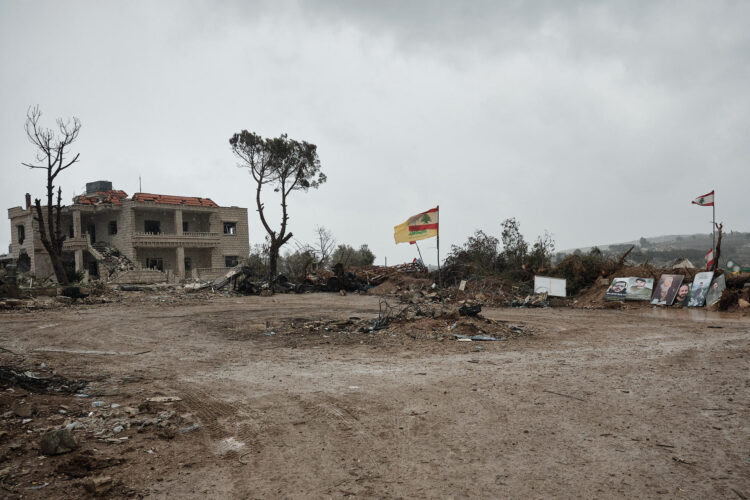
(73, 244)
(187, 239)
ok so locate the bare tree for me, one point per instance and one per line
(287, 165)
(324, 245)
(52, 149)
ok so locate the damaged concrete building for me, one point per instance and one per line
(181, 236)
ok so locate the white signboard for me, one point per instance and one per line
(553, 287)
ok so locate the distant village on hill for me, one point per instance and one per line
(662, 251)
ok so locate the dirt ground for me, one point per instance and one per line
(586, 403)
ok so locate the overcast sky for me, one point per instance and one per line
(598, 122)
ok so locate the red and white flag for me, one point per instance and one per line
(707, 200)
(709, 259)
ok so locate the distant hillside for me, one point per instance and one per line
(664, 250)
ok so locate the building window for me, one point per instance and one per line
(231, 260)
(113, 227)
(230, 228)
(188, 264)
(152, 226)
(185, 226)
(71, 231)
(155, 263)
(22, 233)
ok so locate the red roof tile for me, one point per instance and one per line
(166, 199)
(112, 196)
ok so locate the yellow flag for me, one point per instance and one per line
(417, 227)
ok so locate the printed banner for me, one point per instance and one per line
(701, 282)
(666, 290)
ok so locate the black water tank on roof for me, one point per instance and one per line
(96, 186)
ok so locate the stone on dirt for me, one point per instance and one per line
(98, 485)
(164, 399)
(58, 442)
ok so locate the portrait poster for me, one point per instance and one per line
(639, 288)
(617, 290)
(717, 288)
(701, 284)
(683, 295)
(666, 289)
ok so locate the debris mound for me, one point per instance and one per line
(426, 321)
(13, 377)
(113, 262)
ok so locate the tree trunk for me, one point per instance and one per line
(55, 256)
(57, 265)
(273, 257)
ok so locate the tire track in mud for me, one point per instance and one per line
(362, 453)
(228, 433)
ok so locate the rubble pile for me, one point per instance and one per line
(83, 425)
(8, 284)
(424, 321)
(34, 381)
(736, 296)
(242, 279)
(113, 263)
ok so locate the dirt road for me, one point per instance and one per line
(587, 404)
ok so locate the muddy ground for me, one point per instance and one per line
(632, 404)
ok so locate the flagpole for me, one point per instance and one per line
(420, 253)
(440, 281)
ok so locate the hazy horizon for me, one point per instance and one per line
(593, 121)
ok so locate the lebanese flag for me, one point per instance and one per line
(709, 259)
(707, 200)
(417, 227)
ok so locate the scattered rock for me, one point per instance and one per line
(23, 411)
(164, 399)
(98, 485)
(744, 304)
(188, 428)
(58, 442)
(130, 411)
(166, 430)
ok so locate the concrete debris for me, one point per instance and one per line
(470, 310)
(476, 338)
(242, 280)
(112, 262)
(164, 399)
(58, 442)
(534, 300)
(34, 382)
(98, 485)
